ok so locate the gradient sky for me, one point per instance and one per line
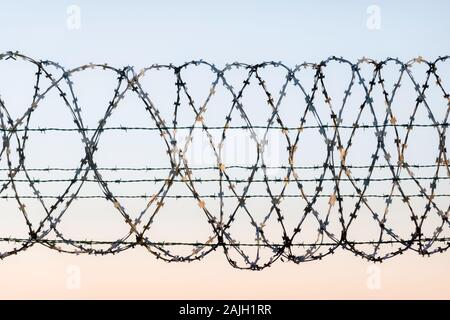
(141, 33)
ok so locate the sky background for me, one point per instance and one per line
(140, 33)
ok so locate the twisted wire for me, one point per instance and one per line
(179, 170)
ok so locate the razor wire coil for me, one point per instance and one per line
(180, 171)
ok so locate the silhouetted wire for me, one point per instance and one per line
(179, 171)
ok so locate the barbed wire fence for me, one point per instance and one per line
(334, 169)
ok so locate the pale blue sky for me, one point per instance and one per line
(144, 32)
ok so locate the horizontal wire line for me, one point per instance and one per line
(124, 128)
(164, 243)
(228, 167)
(200, 180)
(218, 196)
